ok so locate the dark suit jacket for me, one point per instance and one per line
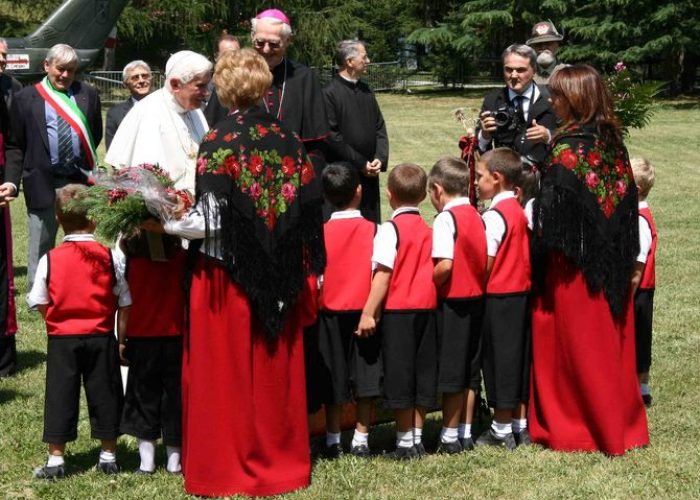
(540, 110)
(28, 155)
(9, 86)
(115, 115)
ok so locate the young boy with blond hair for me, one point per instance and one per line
(644, 277)
(459, 253)
(506, 346)
(354, 363)
(78, 291)
(403, 283)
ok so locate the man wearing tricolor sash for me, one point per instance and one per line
(56, 126)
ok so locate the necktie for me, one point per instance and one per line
(518, 105)
(65, 141)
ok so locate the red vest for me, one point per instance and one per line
(468, 276)
(348, 275)
(157, 295)
(510, 273)
(411, 287)
(80, 280)
(649, 277)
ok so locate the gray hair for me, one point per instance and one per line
(523, 51)
(186, 66)
(346, 50)
(133, 65)
(62, 54)
(3, 41)
(286, 29)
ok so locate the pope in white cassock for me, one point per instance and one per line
(166, 127)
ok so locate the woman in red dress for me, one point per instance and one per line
(584, 387)
(257, 231)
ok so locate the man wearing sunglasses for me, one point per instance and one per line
(295, 96)
(137, 78)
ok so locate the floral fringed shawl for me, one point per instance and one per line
(269, 203)
(587, 210)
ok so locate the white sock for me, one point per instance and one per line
(332, 438)
(55, 461)
(417, 435)
(464, 431)
(519, 424)
(147, 452)
(172, 454)
(645, 389)
(501, 430)
(449, 435)
(360, 438)
(107, 457)
(404, 439)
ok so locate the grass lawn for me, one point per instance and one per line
(421, 129)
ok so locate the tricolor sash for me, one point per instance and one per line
(71, 113)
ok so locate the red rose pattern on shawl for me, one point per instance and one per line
(272, 182)
(605, 172)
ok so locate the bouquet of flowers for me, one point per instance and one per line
(633, 98)
(121, 200)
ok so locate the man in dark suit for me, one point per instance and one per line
(518, 116)
(49, 145)
(9, 86)
(137, 78)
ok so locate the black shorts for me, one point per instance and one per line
(409, 353)
(153, 400)
(354, 363)
(318, 385)
(643, 318)
(506, 338)
(94, 360)
(459, 344)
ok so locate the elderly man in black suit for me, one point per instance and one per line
(9, 86)
(55, 127)
(518, 116)
(137, 78)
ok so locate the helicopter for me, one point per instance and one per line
(82, 24)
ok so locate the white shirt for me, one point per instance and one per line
(39, 295)
(528, 213)
(495, 225)
(193, 226)
(158, 130)
(346, 214)
(444, 230)
(645, 237)
(386, 239)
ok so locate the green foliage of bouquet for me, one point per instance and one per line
(121, 200)
(634, 98)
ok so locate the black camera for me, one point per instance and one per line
(507, 118)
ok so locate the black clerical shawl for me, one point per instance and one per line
(257, 173)
(358, 134)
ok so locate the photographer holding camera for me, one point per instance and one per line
(519, 116)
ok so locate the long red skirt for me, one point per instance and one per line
(245, 429)
(585, 394)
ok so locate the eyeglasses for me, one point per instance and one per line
(273, 44)
(140, 76)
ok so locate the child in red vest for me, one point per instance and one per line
(459, 252)
(403, 282)
(644, 277)
(78, 290)
(151, 346)
(505, 341)
(353, 362)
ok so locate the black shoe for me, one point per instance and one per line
(333, 451)
(49, 473)
(488, 438)
(449, 448)
(647, 400)
(361, 451)
(421, 450)
(141, 472)
(467, 443)
(108, 467)
(401, 453)
(522, 438)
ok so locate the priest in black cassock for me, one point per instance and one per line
(295, 95)
(358, 133)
